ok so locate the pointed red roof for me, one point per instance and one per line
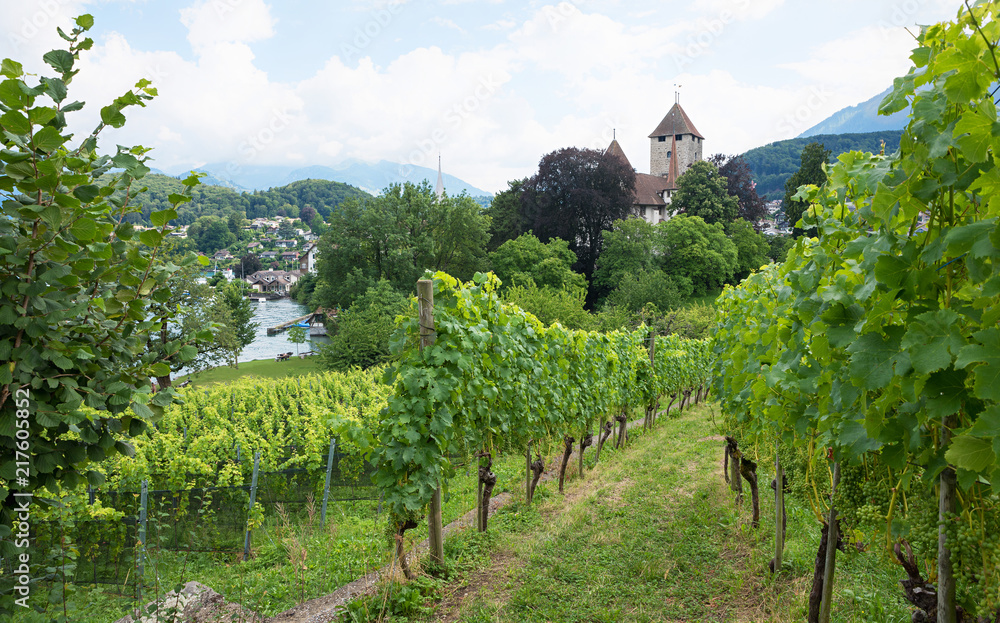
(614, 149)
(676, 122)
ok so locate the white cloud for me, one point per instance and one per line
(738, 9)
(29, 29)
(447, 23)
(856, 66)
(562, 38)
(212, 22)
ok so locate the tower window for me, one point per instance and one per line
(679, 137)
(669, 153)
(662, 139)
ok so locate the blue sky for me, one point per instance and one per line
(491, 85)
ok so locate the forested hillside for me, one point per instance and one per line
(321, 195)
(774, 163)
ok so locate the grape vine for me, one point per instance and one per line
(495, 371)
(879, 339)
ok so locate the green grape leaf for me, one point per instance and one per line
(873, 358)
(970, 453)
(986, 357)
(988, 423)
(945, 391)
(933, 340)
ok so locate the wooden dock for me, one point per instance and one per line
(284, 325)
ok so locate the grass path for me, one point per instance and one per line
(652, 534)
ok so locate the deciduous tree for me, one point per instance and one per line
(702, 192)
(576, 195)
(526, 259)
(697, 250)
(506, 221)
(752, 248)
(740, 184)
(814, 158)
(77, 284)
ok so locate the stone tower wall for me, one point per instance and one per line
(689, 151)
(659, 162)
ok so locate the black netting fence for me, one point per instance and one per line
(207, 519)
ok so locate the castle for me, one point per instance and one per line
(674, 146)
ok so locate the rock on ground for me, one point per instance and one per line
(196, 603)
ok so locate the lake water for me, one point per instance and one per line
(267, 346)
(274, 313)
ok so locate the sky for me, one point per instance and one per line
(490, 85)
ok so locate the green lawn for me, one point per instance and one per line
(705, 299)
(264, 368)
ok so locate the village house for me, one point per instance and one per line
(307, 260)
(272, 281)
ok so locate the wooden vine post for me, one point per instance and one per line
(779, 511)
(650, 409)
(425, 297)
(946, 612)
(833, 537)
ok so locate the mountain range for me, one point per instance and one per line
(858, 119)
(370, 177)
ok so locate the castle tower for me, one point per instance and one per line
(674, 145)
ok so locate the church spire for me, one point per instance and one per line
(439, 188)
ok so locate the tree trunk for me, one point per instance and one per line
(673, 398)
(816, 594)
(489, 481)
(484, 477)
(919, 591)
(164, 382)
(749, 471)
(587, 441)
(568, 441)
(607, 428)
(400, 552)
(735, 480)
(946, 509)
(527, 475)
(536, 468)
(622, 420)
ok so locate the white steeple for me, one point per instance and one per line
(439, 188)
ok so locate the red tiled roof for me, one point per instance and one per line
(676, 122)
(649, 189)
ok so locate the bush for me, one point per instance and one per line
(552, 305)
(363, 331)
(655, 286)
